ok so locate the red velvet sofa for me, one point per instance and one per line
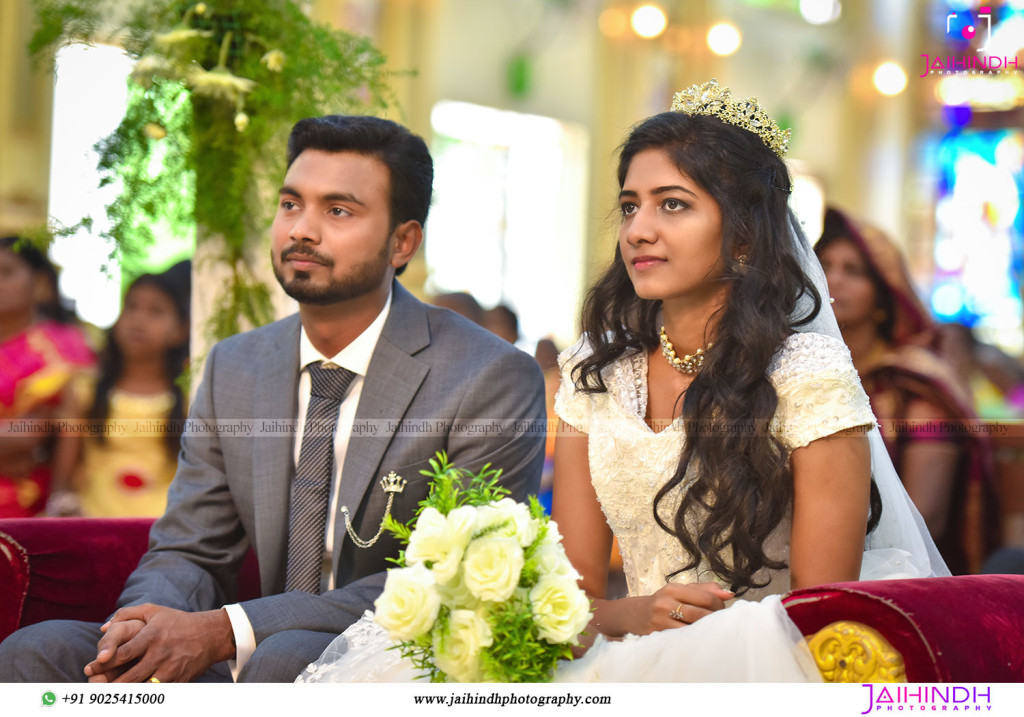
(967, 628)
(74, 568)
(961, 629)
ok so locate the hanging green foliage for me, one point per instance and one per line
(215, 89)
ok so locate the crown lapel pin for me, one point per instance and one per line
(392, 484)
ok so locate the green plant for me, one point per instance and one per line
(215, 89)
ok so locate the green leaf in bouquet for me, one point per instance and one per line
(518, 653)
(401, 531)
(484, 487)
(537, 513)
(530, 573)
(536, 509)
(450, 488)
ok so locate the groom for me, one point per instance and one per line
(373, 381)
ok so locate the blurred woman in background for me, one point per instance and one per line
(41, 355)
(927, 418)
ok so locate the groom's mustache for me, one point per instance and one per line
(303, 253)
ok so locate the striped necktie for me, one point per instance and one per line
(307, 518)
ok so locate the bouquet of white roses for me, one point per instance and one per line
(484, 590)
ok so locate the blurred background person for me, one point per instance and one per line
(995, 379)
(42, 354)
(546, 354)
(1006, 560)
(926, 415)
(121, 474)
(462, 303)
(502, 320)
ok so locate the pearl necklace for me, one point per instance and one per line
(688, 364)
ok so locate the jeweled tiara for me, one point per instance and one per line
(713, 100)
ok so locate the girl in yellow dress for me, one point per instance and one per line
(129, 459)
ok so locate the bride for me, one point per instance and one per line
(711, 420)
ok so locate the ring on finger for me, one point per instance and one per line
(153, 680)
(677, 614)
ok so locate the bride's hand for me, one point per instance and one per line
(676, 605)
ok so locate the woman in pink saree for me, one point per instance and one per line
(41, 355)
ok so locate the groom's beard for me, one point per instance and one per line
(361, 279)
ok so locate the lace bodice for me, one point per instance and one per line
(819, 394)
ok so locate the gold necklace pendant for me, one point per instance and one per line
(688, 364)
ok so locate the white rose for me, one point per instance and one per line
(440, 540)
(492, 566)
(514, 519)
(560, 609)
(409, 604)
(552, 560)
(527, 530)
(455, 594)
(457, 651)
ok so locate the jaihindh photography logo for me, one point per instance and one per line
(948, 698)
(964, 29)
(965, 25)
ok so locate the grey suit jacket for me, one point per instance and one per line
(436, 382)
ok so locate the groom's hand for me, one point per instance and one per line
(105, 668)
(152, 641)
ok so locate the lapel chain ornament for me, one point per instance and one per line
(391, 483)
(713, 100)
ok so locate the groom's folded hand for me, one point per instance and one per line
(152, 642)
(109, 663)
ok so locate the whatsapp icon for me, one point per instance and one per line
(49, 699)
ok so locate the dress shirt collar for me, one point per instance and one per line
(356, 356)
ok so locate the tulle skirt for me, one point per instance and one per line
(746, 642)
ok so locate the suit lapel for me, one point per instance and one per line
(275, 398)
(391, 382)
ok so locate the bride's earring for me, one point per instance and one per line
(741, 264)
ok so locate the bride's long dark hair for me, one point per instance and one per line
(743, 485)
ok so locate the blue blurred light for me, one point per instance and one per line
(957, 115)
(947, 301)
(956, 27)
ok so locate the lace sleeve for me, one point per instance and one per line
(818, 388)
(572, 406)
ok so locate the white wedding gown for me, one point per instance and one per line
(752, 640)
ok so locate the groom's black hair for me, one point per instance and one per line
(405, 155)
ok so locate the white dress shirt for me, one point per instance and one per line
(356, 358)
